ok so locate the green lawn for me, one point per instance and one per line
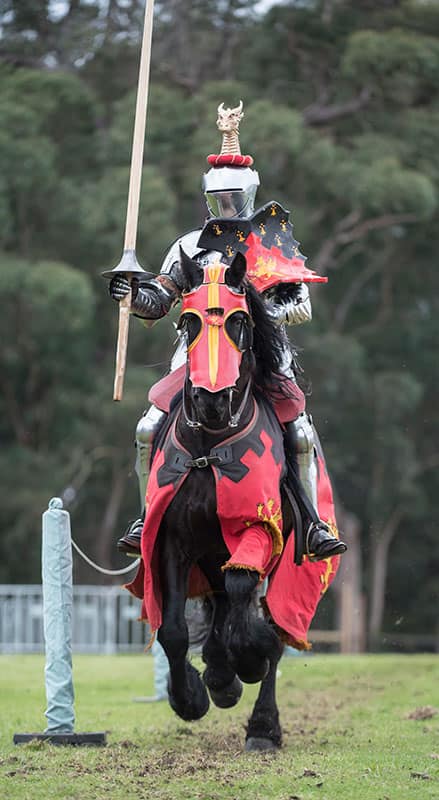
(347, 735)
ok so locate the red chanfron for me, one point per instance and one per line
(214, 359)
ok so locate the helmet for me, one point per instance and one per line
(230, 186)
(230, 191)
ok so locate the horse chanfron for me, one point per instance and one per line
(216, 322)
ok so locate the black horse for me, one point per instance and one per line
(241, 645)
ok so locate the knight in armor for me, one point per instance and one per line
(277, 269)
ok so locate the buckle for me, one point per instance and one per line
(204, 461)
(200, 463)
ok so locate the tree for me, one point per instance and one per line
(48, 147)
(341, 117)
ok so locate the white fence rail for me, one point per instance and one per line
(105, 620)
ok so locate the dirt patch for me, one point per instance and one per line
(420, 776)
(423, 712)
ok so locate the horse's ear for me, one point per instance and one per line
(235, 274)
(193, 274)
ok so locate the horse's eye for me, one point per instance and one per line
(190, 324)
(237, 321)
(237, 327)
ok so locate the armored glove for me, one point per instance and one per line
(152, 295)
(289, 303)
(120, 286)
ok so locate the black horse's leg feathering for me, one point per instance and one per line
(224, 686)
(263, 729)
(249, 639)
(187, 694)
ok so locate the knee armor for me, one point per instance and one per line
(144, 434)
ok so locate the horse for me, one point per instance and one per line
(233, 369)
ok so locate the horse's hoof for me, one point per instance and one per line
(228, 696)
(260, 744)
(193, 709)
(256, 673)
(193, 703)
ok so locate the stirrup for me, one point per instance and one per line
(325, 545)
(129, 544)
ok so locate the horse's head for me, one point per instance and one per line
(216, 321)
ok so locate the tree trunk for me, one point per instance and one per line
(349, 585)
(379, 557)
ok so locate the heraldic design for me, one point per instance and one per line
(266, 240)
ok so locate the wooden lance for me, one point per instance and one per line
(129, 265)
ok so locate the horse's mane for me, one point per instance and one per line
(268, 348)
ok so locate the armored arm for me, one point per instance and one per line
(289, 303)
(153, 296)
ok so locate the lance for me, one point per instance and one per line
(128, 265)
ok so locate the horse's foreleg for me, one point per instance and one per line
(187, 693)
(224, 686)
(250, 641)
(263, 730)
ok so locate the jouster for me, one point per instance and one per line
(276, 268)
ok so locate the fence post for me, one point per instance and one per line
(57, 603)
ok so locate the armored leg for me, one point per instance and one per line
(305, 455)
(130, 541)
(146, 426)
(302, 478)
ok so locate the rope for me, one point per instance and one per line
(101, 569)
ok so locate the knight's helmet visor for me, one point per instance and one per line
(232, 203)
(230, 191)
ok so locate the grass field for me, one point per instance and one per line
(349, 733)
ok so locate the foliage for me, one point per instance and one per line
(341, 115)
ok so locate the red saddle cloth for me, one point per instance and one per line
(294, 592)
(248, 504)
(247, 479)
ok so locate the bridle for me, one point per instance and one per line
(233, 420)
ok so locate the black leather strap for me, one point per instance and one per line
(204, 461)
(299, 542)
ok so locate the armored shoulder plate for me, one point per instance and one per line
(189, 243)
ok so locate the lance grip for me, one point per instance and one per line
(127, 267)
